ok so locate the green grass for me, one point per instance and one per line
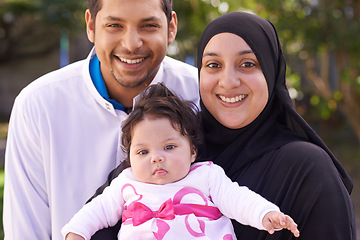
(3, 130)
(2, 176)
(3, 135)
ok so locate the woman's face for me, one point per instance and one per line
(232, 85)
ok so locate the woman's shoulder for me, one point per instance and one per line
(303, 153)
(303, 149)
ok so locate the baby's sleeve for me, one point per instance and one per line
(238, 202)
(103, 211)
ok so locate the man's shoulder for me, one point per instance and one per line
(69, 71)
(179, 68)
(55, 78)
(181, 78)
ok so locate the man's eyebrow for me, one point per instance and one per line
(112, 18)
(150, 19)
(214, 54)
(119, 19)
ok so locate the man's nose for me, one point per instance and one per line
(131, 40)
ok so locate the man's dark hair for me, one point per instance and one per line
(157, 101)
(95, 6)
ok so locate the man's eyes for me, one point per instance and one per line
(151, 25)
(113, 25)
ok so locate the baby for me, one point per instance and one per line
(164, 194)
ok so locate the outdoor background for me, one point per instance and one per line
(320, 38)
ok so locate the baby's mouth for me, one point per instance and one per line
(160, 172)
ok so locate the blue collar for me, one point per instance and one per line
(98, 80)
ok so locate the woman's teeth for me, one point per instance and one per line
(233, 99)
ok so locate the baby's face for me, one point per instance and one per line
(159, 154)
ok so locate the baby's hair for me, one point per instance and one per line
(157, 101)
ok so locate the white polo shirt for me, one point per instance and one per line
(63, 140)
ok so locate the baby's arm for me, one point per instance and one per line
(245, 206)
(73, 236)
(277, 220)
(103, 211)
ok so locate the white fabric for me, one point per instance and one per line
(63, 140)
(233, 201)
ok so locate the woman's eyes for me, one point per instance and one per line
(213, 65)
(246, 64)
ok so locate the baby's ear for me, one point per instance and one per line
(193, 154)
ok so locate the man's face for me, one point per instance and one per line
(131, 38)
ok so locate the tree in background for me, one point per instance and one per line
(32, 27)
(324, 37)
(321, 40)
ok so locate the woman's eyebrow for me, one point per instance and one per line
(214, 54)
(245, 52)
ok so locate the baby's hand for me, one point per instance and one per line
(277, 220)
(73, 236)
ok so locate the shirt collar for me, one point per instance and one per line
(99, 83)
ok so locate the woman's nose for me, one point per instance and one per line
(229, 79)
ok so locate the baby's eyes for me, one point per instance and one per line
(169, 147)
(143, 152)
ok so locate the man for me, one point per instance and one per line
(64, 131)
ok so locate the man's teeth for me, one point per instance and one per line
(128, 61)
(233, 99)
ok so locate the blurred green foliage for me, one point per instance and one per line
(32, 27)
(320, 38)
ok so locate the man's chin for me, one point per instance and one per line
(132, 83)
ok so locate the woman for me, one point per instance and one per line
(253, 131)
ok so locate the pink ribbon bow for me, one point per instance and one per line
(140, 213)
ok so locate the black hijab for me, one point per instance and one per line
(278, 124)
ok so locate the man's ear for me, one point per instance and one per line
(172, 28)
(90, 26)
